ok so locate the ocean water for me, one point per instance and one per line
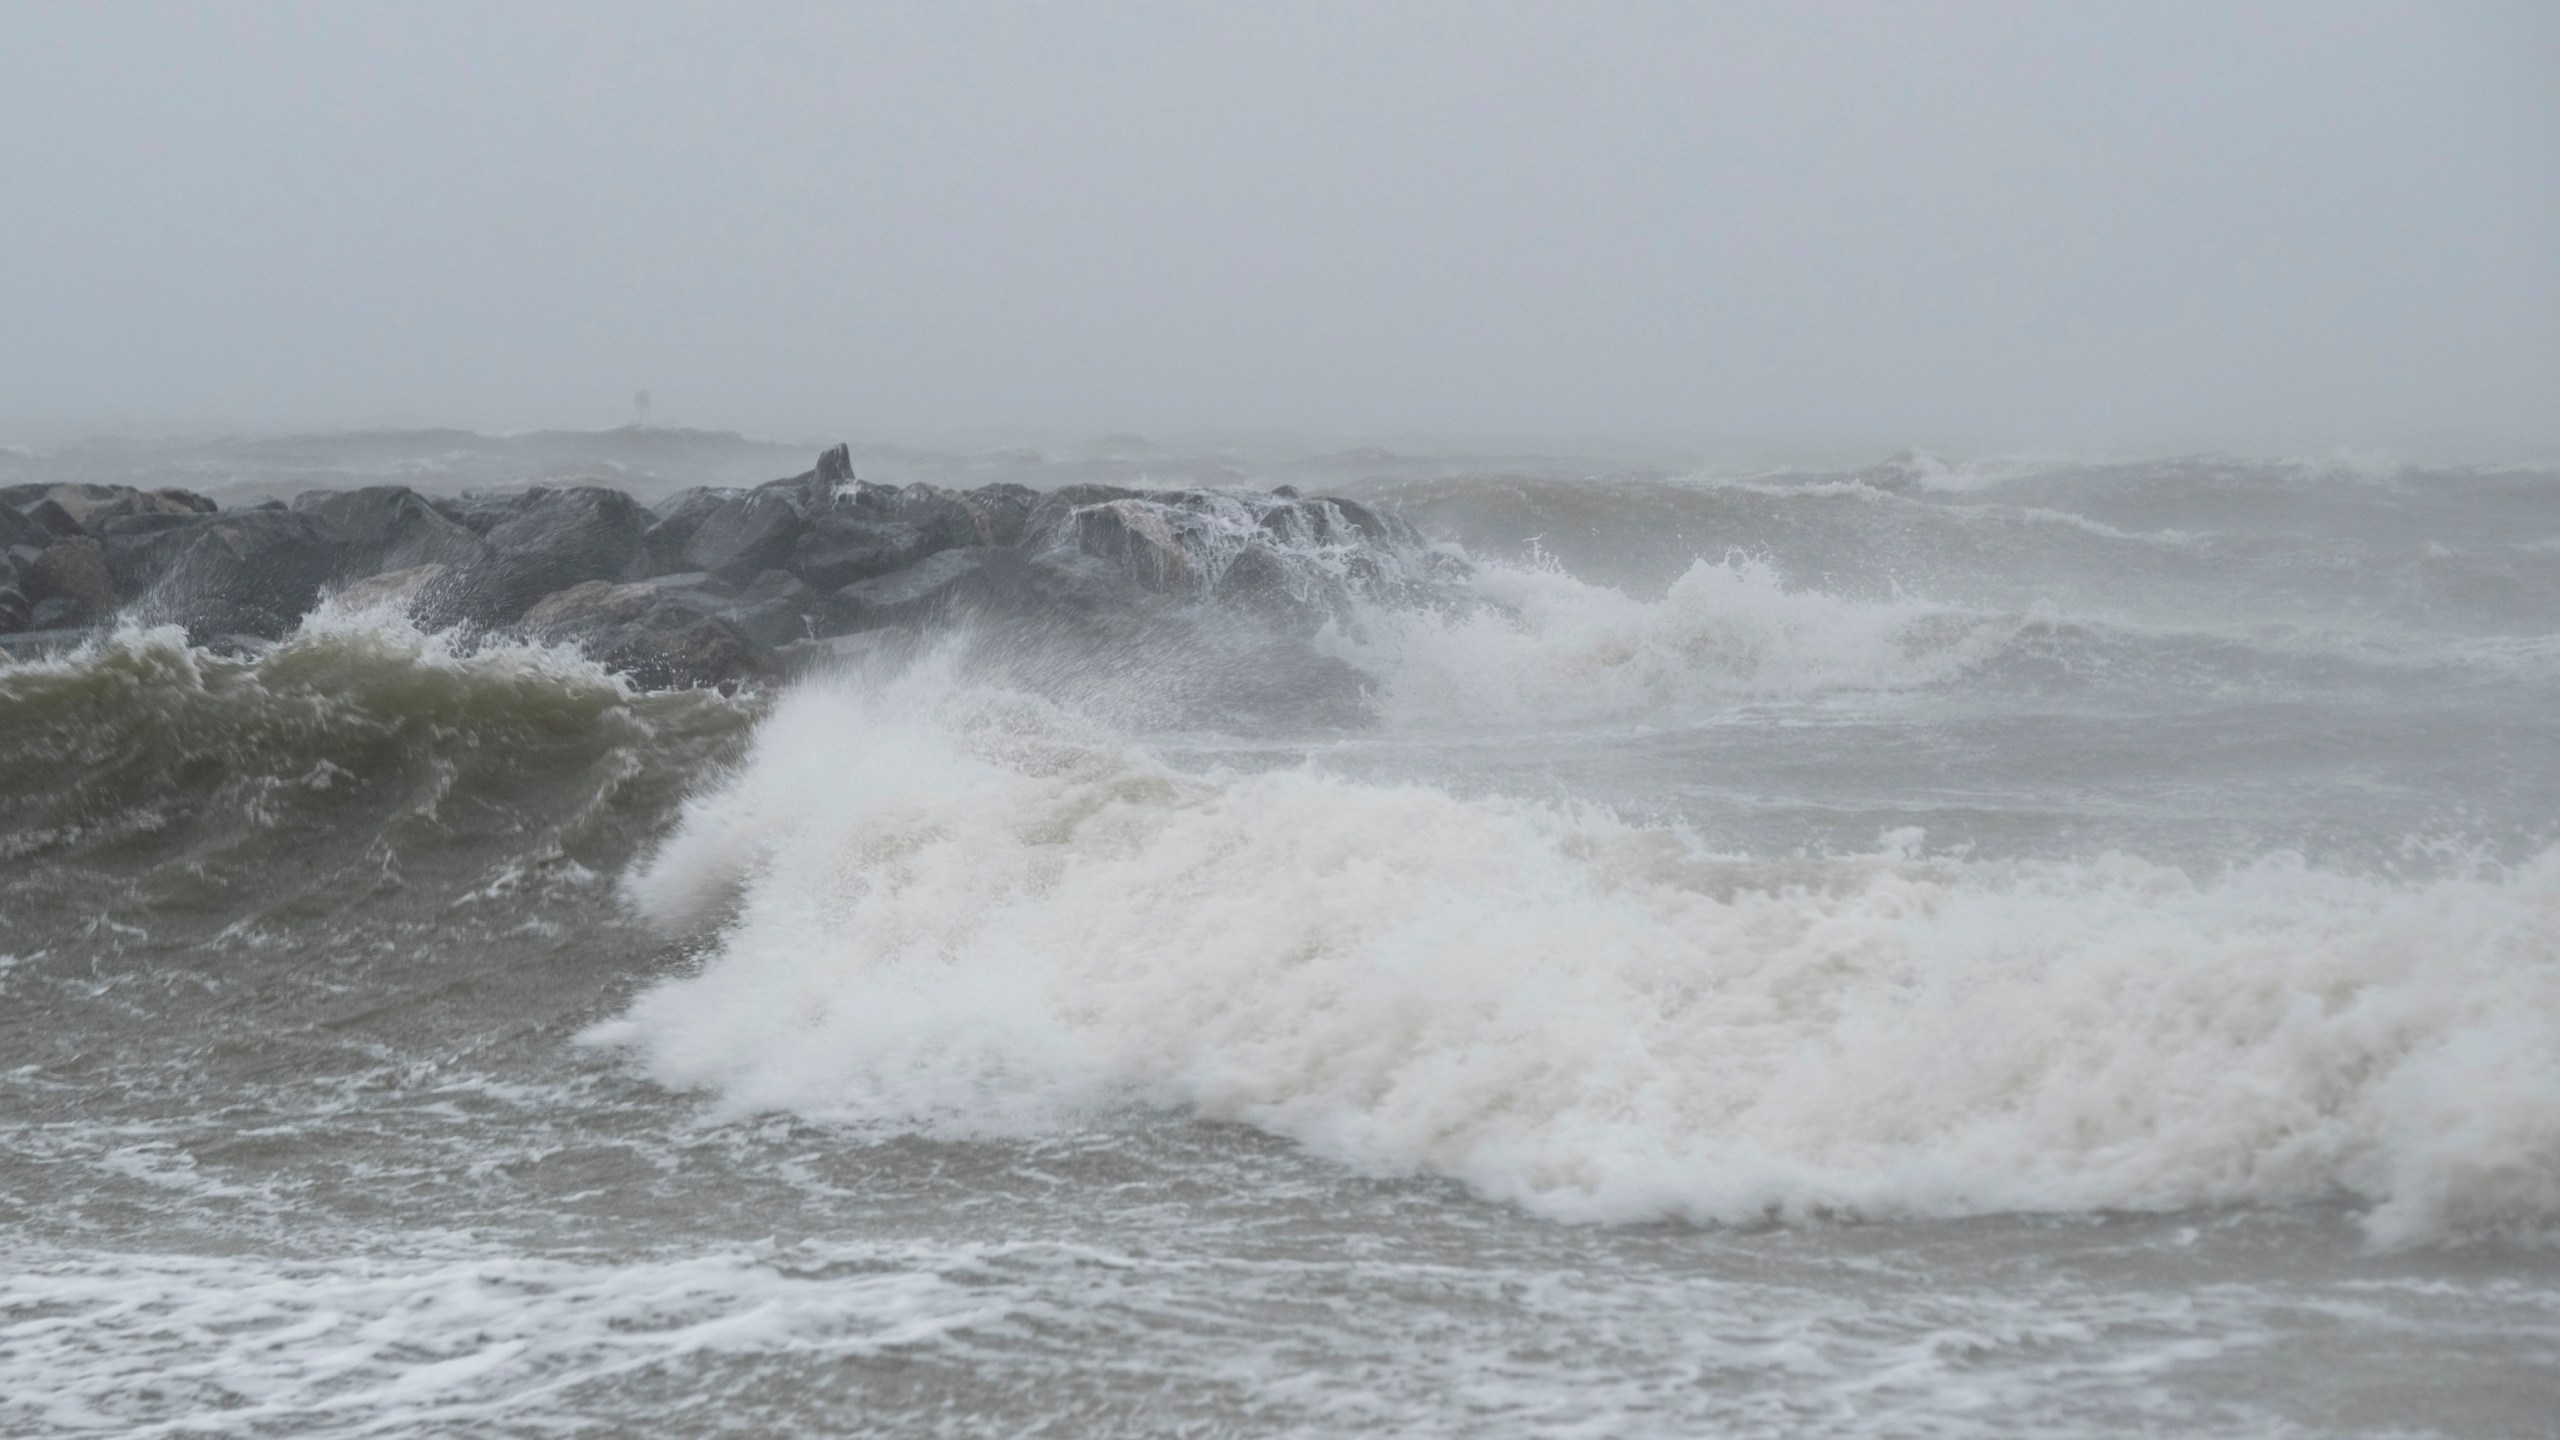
(2025, 947)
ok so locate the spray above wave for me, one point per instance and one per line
(1542, 646)
(1550, 646)
(2196, 545)
(942, 907)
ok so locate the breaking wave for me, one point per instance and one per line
(1551, 646)
(943, 907)
(355, 746)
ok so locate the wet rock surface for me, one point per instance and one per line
(714, 586)
(391, 527)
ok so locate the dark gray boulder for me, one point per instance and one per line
(1259, 583)
(918, 592)
(75, 572)
(60, 614)
(549, 541)
(55, 520)
(674, 521)
(865, 498)
(774, 609)
(707, 654)
(247, 573)
(1332, 520)
(649, 633)
(168, 500)
(87, 504)
(712, 587)
(1298, 558)
(988, 515)
(746, 536)
(1137, 537)
(1052, 596)
(1055, 509)
(17, 532)
(586, 529)
(21, 541)
(839, 547)
(110, 524)
(1004, 511)
(76, 499)
(816, 489)
(475, 512)
(390, 527)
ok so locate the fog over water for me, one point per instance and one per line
(1300, 721)
(2158, 227)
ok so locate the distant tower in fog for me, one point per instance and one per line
(640, 410)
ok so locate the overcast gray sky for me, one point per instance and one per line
(2153, 223)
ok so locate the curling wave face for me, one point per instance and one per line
(360, 768)
(932, 905)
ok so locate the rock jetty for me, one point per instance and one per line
(710, 586)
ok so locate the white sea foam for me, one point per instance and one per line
(1555, 647)
(151, 1345)
(954, 910)
(966, 1338)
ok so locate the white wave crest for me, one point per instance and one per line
(1554, 647)
(949, 910)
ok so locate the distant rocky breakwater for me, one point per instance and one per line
(711, 586)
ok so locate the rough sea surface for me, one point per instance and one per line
(2032, 947)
